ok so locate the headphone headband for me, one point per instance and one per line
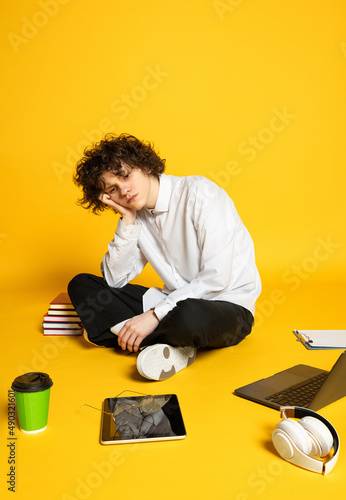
(304, 460)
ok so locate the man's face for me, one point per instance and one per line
(135, 189)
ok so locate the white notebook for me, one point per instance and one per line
(322, 339)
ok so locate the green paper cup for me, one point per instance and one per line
(32, 391)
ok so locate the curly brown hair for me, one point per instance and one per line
(113, 154)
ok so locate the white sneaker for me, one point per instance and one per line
(161, 361)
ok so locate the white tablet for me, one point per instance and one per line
(141, 419)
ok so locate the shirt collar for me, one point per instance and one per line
(164, 195)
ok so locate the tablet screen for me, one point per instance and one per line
(141, 418)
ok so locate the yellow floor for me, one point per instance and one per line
(228, 452)
(248, 94)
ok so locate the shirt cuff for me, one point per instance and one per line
(128, 232)
(161, 311)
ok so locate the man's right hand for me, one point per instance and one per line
(128, 215)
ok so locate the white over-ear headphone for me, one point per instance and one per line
(303, 442)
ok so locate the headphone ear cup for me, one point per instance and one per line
(296, 433)
(320, 434)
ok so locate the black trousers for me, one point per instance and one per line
(192, 322)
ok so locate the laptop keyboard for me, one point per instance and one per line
(300, 394)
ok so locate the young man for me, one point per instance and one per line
(190, 232)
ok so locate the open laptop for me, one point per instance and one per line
(300, 385)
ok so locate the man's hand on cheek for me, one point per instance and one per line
(107, 200)
(128, 214)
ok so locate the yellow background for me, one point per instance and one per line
(206, 81)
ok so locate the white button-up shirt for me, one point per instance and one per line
(195, 241)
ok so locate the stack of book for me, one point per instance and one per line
(61, 318)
